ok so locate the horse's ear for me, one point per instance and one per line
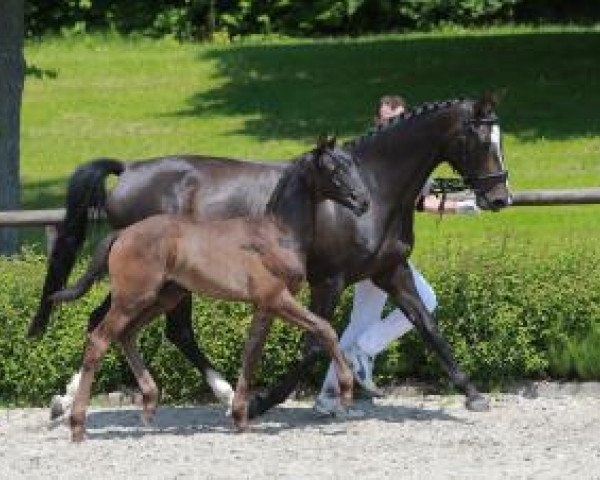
(332, 141)
(322, 143)
(484, 106)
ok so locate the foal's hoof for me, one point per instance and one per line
(243, 427)
(239, 413)
(148, 417)
(478, 403)
(78, 434)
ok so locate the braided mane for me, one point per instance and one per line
(407, 115)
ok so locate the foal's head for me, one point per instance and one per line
(334, 175)
(476, 153)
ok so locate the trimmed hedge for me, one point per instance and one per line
(507, 315)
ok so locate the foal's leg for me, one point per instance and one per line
(401, 286)
(144, 379)
(98, 342)
(324, 297)
(259, 328)
(180, 332)
(61, 404)
(290, 309)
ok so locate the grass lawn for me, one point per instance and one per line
(93, 96)
(514, 301)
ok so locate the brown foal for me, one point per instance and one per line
(258, 260)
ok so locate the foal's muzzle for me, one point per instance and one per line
(359, 204)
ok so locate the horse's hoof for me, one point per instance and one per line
(478, 403)
(221, 388)
(57, 407)
(229, 404)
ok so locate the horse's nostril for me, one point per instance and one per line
(500, 203)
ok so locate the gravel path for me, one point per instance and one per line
(429, 438)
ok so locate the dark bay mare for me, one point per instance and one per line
(395, 161)
(260, 260)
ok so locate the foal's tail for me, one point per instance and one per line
(96, 270)
(86, 191)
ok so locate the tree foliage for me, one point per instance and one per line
(193, 19)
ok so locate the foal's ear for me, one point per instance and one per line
(332, 141)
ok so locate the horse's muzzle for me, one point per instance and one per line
(493, 204)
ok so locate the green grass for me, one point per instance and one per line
(136, 98)
(269, 99)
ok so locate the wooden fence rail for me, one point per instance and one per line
(47, 218)
(578, 196)
(51, 218)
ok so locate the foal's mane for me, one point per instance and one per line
(404, 119)
(294, 167)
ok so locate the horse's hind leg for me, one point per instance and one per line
(60, 404)
(259, 328)
(290, 309)
(180, 332)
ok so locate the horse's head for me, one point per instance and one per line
(475, 152)
(335, 176)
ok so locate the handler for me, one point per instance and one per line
(367, 333)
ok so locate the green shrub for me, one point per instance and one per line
(507, 315)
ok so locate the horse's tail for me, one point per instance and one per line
(86, 190)
(96, 269)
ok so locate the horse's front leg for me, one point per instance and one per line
(324, 296)
(259, 328)
(399, 283)
(180, 333)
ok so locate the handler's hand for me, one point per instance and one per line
(467, 207)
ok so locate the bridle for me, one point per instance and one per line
(481, 184)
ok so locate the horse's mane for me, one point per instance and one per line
(403, 119)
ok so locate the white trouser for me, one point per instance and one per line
(368, 329)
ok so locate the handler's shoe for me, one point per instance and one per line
(330, 406)
(361, 364)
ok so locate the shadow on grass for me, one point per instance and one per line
(301, 90)
(40, 73)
